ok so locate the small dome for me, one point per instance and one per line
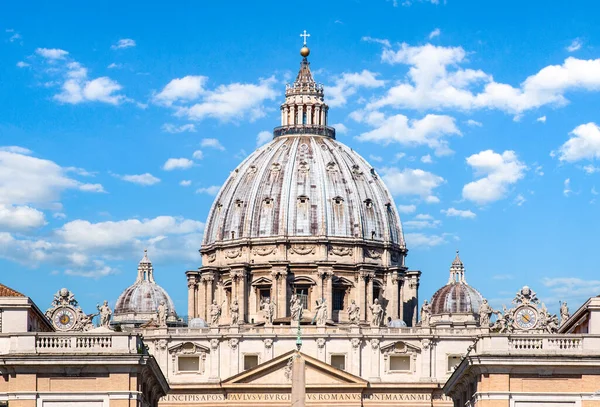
(397, 323)
(139, 302)
(456, 296)
(197, 323)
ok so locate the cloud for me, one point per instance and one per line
(232, 102)
(198, 155)
(591, 169)
(422, 222)
(541, 119)
(212, 190)
(572, 289)
(263, 137)
(384, 42)
(212, 143)
(436, 80)
(172, 128)
(434, 33)
(348, 84)
(187, 88)
(474, 123)
(407, 208)
(27, 180)
(412, 182)
(340, 128)
(466, 214)
(20, 218)
(177, 164)
(22, 64)
(415, 240)
(51, 53)
(567, 187)
(141, 179)
(123, 43)
(431, 130)
(520, 200)
(426, 159)
(185, 183)
(584, 144)
(375, 158)
(574, 46)
(101, 89)
(114, 66)
(499, 172)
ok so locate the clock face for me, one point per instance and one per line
(526, 318)
(64, 319)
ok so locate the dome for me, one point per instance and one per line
(397, 323)
(197, 323)
(139, 302)
(456, 296)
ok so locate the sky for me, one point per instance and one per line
(120, 121)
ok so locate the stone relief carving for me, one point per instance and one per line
(526, 315)
(302, 249)
(373, 253)
(356, 342)
(161, 344)
(233, 343)
(233, 253)
(321, 343)
(265, 250)
(375, 344)
(268, 343)
(340, 251)
(214, 343)
(211, 257)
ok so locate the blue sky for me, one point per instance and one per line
(120, 121)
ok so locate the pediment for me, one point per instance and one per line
(188, 348)
(261, 281)
(400, 347)
(277, 373)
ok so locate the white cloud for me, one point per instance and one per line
(436, 80)
(348, 84)
(172, 128)
(591, 169)
(384, 42)
(141, 179)
(27, 180)
(575, 45)
(52, 53)
(572, 289)
(414, 240)
(474, 123)
(426, 159)
(212, 143)
(212, 190)
(407, 208)
(114, 66)
(499, 172)
(59, 215)
(541, 119)
(22, 64)
(431, 130)
(101, 89)
(20, 217)
(434, 33)
(198, 155)
(422, 222)
(185, 183)
(340, 128)
(593, 191)
(263, 137)
(412, 182)
(520, 200)
(187, 88)
(123, 43)
(177, 164)
(232, 102)
(467, 214)
(92, 188)
(567, 187)
(583, 144)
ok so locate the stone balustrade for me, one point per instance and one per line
(80, 342)
(537, 343)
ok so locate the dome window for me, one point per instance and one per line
(368, 203)
(302, 199)
(338, 200)
(268, 201)
(373, 234)
(239, 203)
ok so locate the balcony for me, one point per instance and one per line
(79, 343)
(308, 129)
(537, 344)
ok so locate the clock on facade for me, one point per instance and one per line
(526, 317)
(64, 318)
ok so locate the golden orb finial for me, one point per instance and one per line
(304, 51)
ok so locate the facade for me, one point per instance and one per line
(53, 361)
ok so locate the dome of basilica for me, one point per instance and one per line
(138, 303)
(456, 297)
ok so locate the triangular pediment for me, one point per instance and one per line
(400, 347)
(277, 373)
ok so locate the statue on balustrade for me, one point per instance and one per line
(161, 314)
(234, 310)
(321, 312)
(215, 314)
(105, 313)
(353, 313)
(296, 309)
(485, 314)
(564, 312)
(377, 311)
(425, 314)
(268, 308)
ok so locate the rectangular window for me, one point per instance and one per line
(338, 361)
(399, 363)
(453, 362)
(250, 361)
(188, 363)
(338, 299)
(264, 293)
(302, 293)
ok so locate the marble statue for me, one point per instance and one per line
(564, 312)
(353, 313)
(377, 311)
(321, 312)
(234, 310)
(161, 314)
(485, 314)
(215, 313)
(268, 308)
(105, 313)
(425, 313)
(296, 309)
